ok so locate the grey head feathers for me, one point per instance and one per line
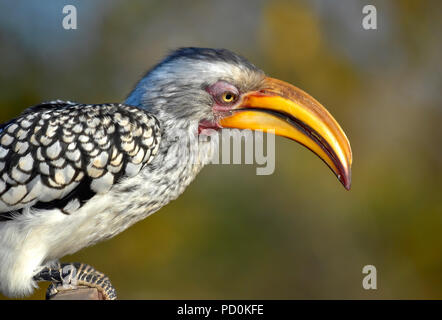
(174, 89)
(210, 55)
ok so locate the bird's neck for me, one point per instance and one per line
(181, 156)
(176, 164)
(183, 150)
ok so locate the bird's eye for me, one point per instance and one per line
(223, 93)
(228, 97)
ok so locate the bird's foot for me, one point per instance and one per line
(70, 276)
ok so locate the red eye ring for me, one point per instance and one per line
(223, 93)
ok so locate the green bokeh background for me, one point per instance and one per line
(296, 233)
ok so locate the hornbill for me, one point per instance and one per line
(73, 174)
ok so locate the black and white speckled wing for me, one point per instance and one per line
(59, 154)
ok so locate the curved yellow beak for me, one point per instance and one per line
(290, 112)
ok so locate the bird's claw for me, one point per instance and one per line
(74, 276)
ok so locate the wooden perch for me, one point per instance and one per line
(80, 293)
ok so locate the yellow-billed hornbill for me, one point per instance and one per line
(74, 174)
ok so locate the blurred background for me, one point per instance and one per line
(294, 234)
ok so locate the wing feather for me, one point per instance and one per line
(59, 154)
